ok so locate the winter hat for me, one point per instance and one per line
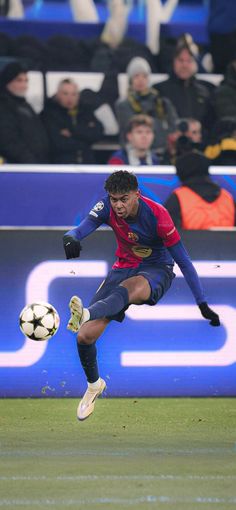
(136, 66)
(11, 71)
(192, 164)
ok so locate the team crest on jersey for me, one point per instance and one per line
(132, 236)
(142, 251)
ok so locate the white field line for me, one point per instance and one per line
(116, 501)
(129, 452)
(94, 478)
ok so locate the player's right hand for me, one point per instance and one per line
(208, 313)
(72, 247)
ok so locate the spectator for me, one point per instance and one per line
(71, 125)
(222, 32)
(225, 94)
(190, 97)
(222, 150)
(143, 99)
(23, 138)
(139, 137)
(190, 128)
(199, 203)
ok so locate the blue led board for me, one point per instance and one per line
(65, 197)
(165, 350)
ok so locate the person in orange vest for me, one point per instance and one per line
(199, 203)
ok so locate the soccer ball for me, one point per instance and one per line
(39, 321)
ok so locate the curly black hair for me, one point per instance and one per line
(121, 181)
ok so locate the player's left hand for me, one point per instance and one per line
(208, 313)
(72, 247)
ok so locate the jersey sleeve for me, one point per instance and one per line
(166, 229)
(100, 212)
(182, 258)
(98, 215)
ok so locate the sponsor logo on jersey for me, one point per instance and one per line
(142, 251)
(132, 236)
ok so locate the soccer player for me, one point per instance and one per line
(148, 245)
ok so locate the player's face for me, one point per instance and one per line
(184, 65)
(125, 204)
(19, 85)
(141, 137)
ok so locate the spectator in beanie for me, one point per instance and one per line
(199, 203)
(23, 138)
(143, 99)
(71, 125)
(139, 137)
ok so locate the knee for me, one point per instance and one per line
(84, 338)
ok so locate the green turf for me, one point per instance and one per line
(144, 454)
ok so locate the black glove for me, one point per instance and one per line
(72, 247)
(207, 313)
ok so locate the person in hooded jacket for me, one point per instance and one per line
(71, 125)
(23, 138)
(225, 94)
(199, 203)
(190, 96)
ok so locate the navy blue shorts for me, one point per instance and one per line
(159, 277)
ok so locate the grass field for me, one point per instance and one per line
(165, 454)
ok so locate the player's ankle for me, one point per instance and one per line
(95, 385)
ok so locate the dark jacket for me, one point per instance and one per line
(191, 98)
(225, 94)
(4, 7)
(83, 127)
(23, 138)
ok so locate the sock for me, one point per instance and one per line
(95, 385)
(88, 358)
(113, 304)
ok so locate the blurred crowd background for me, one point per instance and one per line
(120, 82)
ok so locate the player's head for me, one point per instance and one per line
(122, 188)
(121, 181)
